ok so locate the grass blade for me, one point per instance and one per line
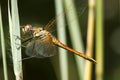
(3, 48)
(75, 34)
(62, 37)
(15, 42)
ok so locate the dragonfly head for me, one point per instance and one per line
(34, 31)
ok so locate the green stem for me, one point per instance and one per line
(99, 40)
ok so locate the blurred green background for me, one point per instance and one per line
(40, 12)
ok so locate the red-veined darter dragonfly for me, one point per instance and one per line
(43, 44)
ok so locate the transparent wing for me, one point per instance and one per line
(53, 21)
(41, 49)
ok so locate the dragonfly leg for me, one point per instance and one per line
(17, 37)
(20, 45)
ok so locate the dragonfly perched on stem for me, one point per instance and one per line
(43, 44)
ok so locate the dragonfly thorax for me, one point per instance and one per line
(41, 33)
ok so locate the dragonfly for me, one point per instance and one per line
(43, 44)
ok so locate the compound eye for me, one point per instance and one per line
(27, 29)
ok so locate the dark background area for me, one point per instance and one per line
(40, 12)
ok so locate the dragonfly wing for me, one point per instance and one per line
(41, 49)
